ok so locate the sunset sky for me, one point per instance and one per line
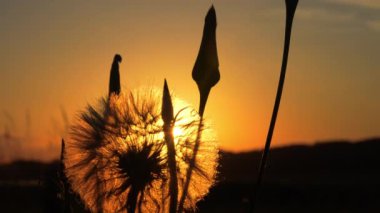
(56, 56)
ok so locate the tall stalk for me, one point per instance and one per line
(168, 117)
(206, 75)
(64, 184)
(291, 6)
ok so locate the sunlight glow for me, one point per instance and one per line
(177, 132)
(134, 139)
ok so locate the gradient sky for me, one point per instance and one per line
(56, 56)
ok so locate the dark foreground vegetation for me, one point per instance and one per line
(327, 177)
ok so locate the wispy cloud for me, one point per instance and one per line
(344, 14)
(319, 14)
(372, 4)
(374, 25)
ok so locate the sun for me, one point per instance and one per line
(185, 115)
(177, 132)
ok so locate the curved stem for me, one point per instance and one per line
(289, 21)
(63, 179)
(191, 166)
(202, 106)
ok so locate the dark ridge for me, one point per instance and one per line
(25, 170)
(340, 176)
(335, 162)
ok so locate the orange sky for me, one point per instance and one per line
(57, 54)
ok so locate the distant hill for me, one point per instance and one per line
(328, 162)
(9, 147)
(338, 176)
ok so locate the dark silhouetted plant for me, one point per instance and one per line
(168, 118)
(206, 68)
(122, 155)
(114, 85)
(291, 6)
(64, 186)
(206, 75)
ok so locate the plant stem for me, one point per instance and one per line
(173, 185)
(202, 105)
(206, 75)
(63, 179)
(288, 27)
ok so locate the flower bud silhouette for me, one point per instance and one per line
(206, 68)
(291, 6)
(206, 75)
(114, 85)
(167, 106)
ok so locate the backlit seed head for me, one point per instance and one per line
(116, 158)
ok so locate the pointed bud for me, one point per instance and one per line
(114, 85)
(206, 68)
(291, 6)
(167, 106)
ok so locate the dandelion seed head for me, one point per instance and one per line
(116, 158)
